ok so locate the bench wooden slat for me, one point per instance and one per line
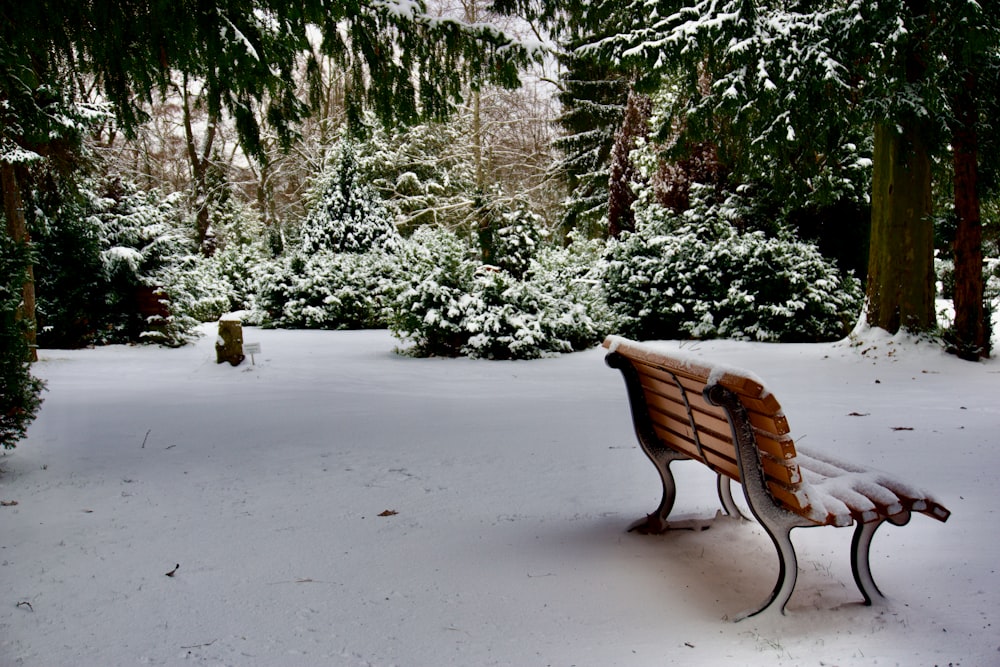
(667, 398)
(747, 387)
(716, 450)
(765, 414)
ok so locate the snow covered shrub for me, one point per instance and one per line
(695, 275)
(450, 304)
(338, 276)
(516, 240)
(19, 390)
(328, 290)
(784, 290)
(196, 288)
(572, 279)
(145, 255)
(432, 298)
(227, 280)
(503, 318)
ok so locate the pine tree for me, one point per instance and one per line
(347, 214)
(19, 390)
(790, 84)
(635, 128)
(593, 96)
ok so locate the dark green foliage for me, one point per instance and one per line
(19, 390)
(593, 99)
(70, 285)
(402, 61)
(450, 304)
(111, 266)
(697, 277)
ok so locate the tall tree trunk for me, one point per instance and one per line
(477, 140)
(971, 336)
(17, 229)
(900, 290)
(471, 10)
(635, 124)
(200, 160)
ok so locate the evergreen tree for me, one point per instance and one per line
(593, 96)
(19, 390)
(399, 59)
(634, 129)
(347, 214)
(69, 274)
(593, 92)
(793, 82)
(423, 172)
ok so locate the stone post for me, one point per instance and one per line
(229, 344)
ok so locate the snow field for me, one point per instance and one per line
(512, 483)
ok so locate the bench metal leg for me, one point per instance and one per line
(657, 521)
(788, 570)
(860, 555)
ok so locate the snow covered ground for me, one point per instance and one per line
(506, 489)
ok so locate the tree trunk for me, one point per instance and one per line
(200, 160)
(900, 291)
(635, 124)
(17, 229)
(971, 336)
(477, 140)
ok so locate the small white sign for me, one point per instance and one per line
(251, 348)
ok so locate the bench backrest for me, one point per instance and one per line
(673, 387)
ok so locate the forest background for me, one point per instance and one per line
(498, 180)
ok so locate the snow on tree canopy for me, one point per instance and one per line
(346, 214)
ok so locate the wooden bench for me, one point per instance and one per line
(686, 408)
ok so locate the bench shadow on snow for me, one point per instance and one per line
(714, 567)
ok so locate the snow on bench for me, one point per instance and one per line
(686, 408)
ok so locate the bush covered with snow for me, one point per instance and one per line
(694, 275)
(432, 298)
(339, 275)
(146, 256)
(328, 290)
(450, 303)
(511, 236)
